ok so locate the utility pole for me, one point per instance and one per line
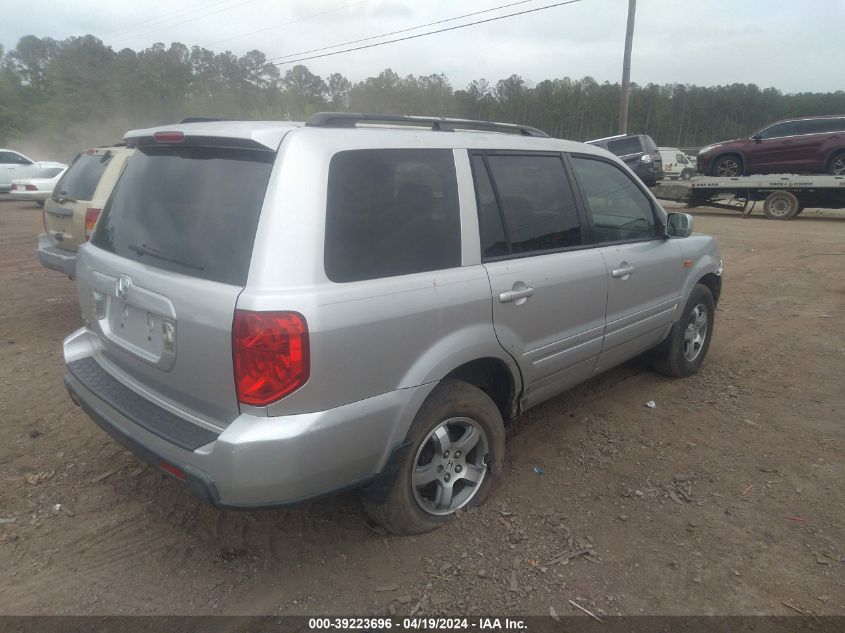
(626, 69)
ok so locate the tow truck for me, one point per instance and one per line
(784, 196)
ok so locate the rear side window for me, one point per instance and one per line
(188, 209)
(625, 146)
(536, 201)
(81, 179)
(391, 212)
(820, 126)
(619, 208)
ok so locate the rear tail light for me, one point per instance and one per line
(271, 355)
(14, 187)
(91, 216)
(31, 188)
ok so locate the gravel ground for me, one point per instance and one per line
(726, 498)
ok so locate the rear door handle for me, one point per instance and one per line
(622, 272)
(514, 295)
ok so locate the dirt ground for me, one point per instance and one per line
(724, 499)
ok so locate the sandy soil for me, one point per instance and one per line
(724, 499)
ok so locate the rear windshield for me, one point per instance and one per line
(625, 146)
(82, 178)
(48, 172)
(188, 209)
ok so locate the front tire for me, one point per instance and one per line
(457, 448)
(837, 165)
(728, 166)
(682, 353)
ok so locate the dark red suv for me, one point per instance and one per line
(812, 144)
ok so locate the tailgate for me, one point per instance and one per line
(159, 279)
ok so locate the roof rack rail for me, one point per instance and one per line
(438, 124)
(200, 119)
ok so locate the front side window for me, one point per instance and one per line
(619, 208)
(681, 159)
(778, 130)
(391, 212)
(625, 146)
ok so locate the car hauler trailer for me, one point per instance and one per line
(784, 195)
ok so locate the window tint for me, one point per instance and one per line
(537, 202)
(625, 146)
(780, 129)
(47, 172)
(620, 210)
(493, 240)
(391, 212)
(13, 158)
(81, 179)
(188, 209)
(819, 126)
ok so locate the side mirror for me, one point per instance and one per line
(755, 137)
(679, 225)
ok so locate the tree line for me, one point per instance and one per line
(78, 91)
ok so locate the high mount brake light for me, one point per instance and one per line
(169, 137)
(271, 355)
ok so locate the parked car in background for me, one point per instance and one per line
(72, 209)
(39, 186)
(676, 164)
(14, 165)
(810, 144)
(275, 311)
(640, 153)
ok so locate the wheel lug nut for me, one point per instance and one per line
(457, 453)
(458, 468)
(445, 454)
(447, 477)
(440, 468)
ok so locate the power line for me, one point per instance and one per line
(413, 28)
(307, 17)
(190, 18)
(163, 18)
(411, 37)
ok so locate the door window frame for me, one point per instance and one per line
(659, 224)
(586, 231)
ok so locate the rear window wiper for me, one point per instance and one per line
(143, 249)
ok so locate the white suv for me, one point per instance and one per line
(274, 311)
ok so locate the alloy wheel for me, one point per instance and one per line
(728, 168)
(696, 332)
(450, 466)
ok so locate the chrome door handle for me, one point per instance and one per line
(514, 295)
(622, 272)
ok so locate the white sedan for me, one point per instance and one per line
(39, 185)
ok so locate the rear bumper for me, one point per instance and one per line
(55, 258)
(29, 195)
(255, 461)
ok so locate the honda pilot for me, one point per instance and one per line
(274, 311)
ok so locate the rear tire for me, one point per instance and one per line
(682, 353)
(686, 174)
(727, 166)
(781, 205)
(437, 477)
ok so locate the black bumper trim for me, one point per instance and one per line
(141, 411)
(198, 482)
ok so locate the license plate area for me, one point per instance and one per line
(145, 332)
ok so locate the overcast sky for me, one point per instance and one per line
(792, 45)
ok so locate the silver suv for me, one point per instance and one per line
(275, 311)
